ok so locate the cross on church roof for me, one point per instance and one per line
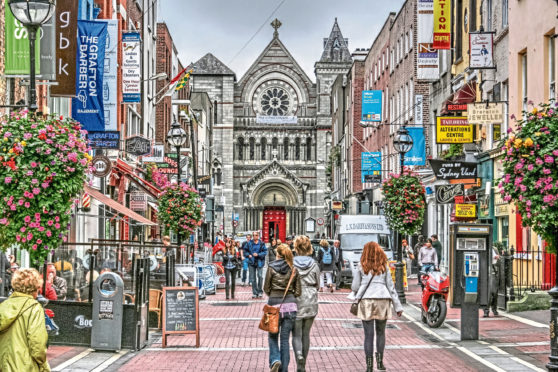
(276, 24)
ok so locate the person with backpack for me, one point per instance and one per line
(326, 260)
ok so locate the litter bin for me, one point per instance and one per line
(108, 298)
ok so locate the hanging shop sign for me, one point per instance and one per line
(265, 119)
(131, 67)
(418, 109)
(446, 194)
(336, 205)
(48, 50)
(104, 140)
(457, 107)
(427, 56)
(110, 75)
(138, 201)
(371, 167)
(485, 113)
(204, 180)
(371, 106)
(16, 54)
(87, 107)
(157, 154)
(481, 47)
(453, 129)
(465, 210)
(501, 207)
(101, 166)
(417, 154)
(168, 166)
(453, 170)
(66, 49)
(442, 24)
(138, 145)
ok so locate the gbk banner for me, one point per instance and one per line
(87, 107)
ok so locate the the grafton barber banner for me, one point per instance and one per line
(427, 57)
(66, 44)
(264, 119)
(87, 107)
(417, 154)
(481, 50)
(485, 113)
(131, 67)
(371, 105)
(453, 129)
(442, 24)
(17, 46)
(453, 170)
(104, 140)
(445, 194)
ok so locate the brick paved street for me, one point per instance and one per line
(230, 341)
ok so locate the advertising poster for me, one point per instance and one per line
(417, 154)
(442, 24)
(481, 49)
(87, 107)
(371, 167)
(110, 78)
(466, 210)
(131, 67)
(453, 129)
(371, 105)
(17, 47)
(427, 56)
(66, 43)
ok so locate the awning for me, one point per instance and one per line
(466, 94)
(118, 207)
(128, 171)
(154, 206)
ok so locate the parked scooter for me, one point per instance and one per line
(51, 327)
(435, 289)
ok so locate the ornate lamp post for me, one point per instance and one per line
(176, 137)
(32, 14)
(403, 143)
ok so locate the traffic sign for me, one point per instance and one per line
(235, 223)
(320, 221)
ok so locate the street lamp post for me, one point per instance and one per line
(176, 137)
(402, 143)
(32, 14)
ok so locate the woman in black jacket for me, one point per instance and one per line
(283, 295)
(326, 260)
(231, 262)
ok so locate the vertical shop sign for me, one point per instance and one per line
(17, 46)
(442, 24)
(110, 80)
(131, 67)
(87, 107)
(417, 154)
(481, 45)
(47, 35)
(66, 43)
(427, 56)
(371, 105)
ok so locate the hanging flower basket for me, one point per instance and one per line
(180, 209)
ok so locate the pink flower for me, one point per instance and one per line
(27, 219)
(36, 190)
(50, 222)
(41, 228)
(7, 180)
(34, 181)
(29, 173)
(20, 202)
(44, 185)
(39, 241)
(49, 233)
(57, 225)
(530, 167)
(33, 164)
(34, 247)
(3, 221)
(548, 159)
(27, 205)
(547, 171)
(539, 161)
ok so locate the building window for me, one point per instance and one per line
(391, 60)
(473, 15)
(274, 143)
(297, 148)
(458, 29)
(504, 13)
(551, 68)
(286, 148)
(240, 148)
(411, 40)
(524, 80)
(263, 145)
(406, 43)
(488, 15)
(252, 148)
(308, 148)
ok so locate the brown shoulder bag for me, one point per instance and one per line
(270, 318)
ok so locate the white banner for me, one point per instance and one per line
(157, 155)
(418, 109)
(131, 67)
(481, 47)
(262, 119)
(110, 78)
(427, 57)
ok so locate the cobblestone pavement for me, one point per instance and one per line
(231, 341)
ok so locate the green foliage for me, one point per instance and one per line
(180, 209)
(455, 150)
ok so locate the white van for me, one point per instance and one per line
(354, 231)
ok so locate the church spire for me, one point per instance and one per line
(336, 47)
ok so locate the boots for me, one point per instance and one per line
(369, 364)
(300, 363)
(380, 362)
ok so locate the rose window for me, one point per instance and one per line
(275, 102)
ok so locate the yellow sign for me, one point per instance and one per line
(466, 210)
(442, 24)
(453, 129)
(485, 114)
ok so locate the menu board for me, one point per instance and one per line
(180, 312)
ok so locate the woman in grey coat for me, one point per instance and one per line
(374, 289)
(307, 303)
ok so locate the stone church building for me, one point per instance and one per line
(272, 136)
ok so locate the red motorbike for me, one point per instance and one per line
(435, 289)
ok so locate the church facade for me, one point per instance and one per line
(272, 137)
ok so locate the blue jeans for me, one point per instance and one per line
(244, 270)
(281, 351)
(256, 285)
(427, 267)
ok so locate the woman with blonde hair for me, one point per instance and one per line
(375, 292)
(23, 336)
(326, 260)
(307, 303)
(282, 285)
(231, 262)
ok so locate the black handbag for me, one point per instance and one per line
(354, 305)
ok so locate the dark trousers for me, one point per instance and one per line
(372, 327)
(301, 336)
(230, 278)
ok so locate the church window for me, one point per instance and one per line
(274, 143)
(308, 148)
(252, 148)
(297, 148)
(263, 145)
(275, 102)
(286, 148)
(240, 154)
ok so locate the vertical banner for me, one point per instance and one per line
(417, 154)
(419, 109)
(371, 105)
(17, 47)
(442, 24)
(87, 107)
(131, 67)
(66, 43)
(48, 50)
(427, 56)
(371, 167)
(109, 78)
(481, 46)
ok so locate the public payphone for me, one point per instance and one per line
(470, 248)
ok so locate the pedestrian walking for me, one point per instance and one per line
(407, 255)
(231, 263)
(493, 285)
(245, 265)
(338, 262)
(373, 287)
(272, 251)
(428, 258)
(307, 303)
(282, 295)
(437, 246)
(23, 335)
(326, 260)
(255, 251)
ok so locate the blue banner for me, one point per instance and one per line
(371, 167)
(417, 154)
(104, 139)
(371, 105)
(87, 107)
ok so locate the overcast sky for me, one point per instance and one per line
(222, 27)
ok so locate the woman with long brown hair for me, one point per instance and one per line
(374, 289)
(231, 262)
(282, 290)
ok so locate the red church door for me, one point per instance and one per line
(274, 223)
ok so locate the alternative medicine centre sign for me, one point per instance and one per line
(453, 129)
(371, 105)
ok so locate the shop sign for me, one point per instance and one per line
(66, 48)
(204, 180)
(453, 170)
(446, 194)
(101, 166)
(138, 145)
(371, 105)
(453, 129)
(418, 109)
(336, 205)
(481, 45)
(157, 154)
(427, 56)
(484, 206)
(138, 201)
(442, 24)
(457, 107)
(168, 166)
(485, 113)
(371, 167)
(16, 50)
(110, 76)
(465, 210)
(417, 154)
(501, 207)
(104, 139)
(131, 67)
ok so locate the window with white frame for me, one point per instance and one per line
(406, 43)
(488, 15)
(411, 100)
(391, 61)
(411, 41)
(504, 13)
(524, 80)
(551, 68)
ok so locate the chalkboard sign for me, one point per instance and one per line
(180, 312)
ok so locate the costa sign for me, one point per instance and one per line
(446, 194)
